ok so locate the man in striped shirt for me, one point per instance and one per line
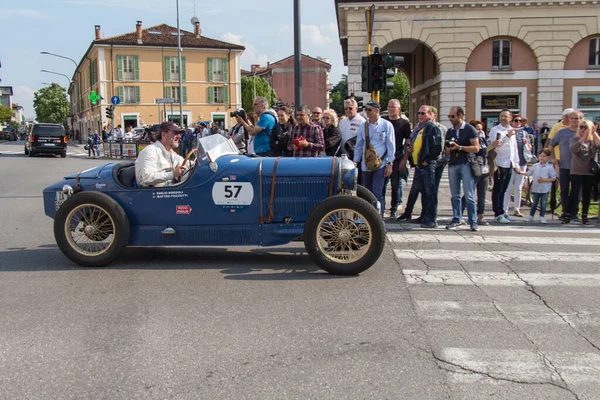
(307, 137)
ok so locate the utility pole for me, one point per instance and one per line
(370, 16)
(297, 56)
(180, 71)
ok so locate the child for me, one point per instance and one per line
(543, 176)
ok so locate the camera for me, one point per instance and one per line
(449, 141)
(235, 113)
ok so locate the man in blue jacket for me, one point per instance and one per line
(426, 149)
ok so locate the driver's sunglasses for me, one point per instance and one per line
(175, 133)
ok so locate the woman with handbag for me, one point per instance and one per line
(517, 180)
(481, 182)
(584, 166)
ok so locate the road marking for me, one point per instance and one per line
(460, 278)
(514, 229)
(524, 365)
(399, 238)
(500, 256)
(497, 312)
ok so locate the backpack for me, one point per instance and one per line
(279, 140)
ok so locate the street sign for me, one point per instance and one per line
(166, 100)
(93, 97)
(115, 100)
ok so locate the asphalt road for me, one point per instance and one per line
(442, 315)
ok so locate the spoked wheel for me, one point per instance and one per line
(344, 235)
(91, 229)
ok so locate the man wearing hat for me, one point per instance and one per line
(159, 164)
(382, 138)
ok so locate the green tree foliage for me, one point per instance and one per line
(401, 91)
(262, 89)
(338, 94)
(5, 114)
(51, 105)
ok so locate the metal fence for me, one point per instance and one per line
(124, 149)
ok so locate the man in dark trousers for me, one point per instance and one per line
(399, 175)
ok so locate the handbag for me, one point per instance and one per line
(86, 147)
(372, 160)
(594, 167)
(475, 166)
(527, 154)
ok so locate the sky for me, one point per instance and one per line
(66, 27)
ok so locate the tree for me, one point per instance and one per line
(5, 114)
(401, 91)
(262, 89)
(338, 93)
(51, 104)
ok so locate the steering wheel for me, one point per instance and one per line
(194, 162)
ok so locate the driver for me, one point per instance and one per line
(159, 164)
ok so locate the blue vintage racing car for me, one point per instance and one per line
(224, 199)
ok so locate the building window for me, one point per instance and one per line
(218, 95)
(128, 95)
(174, 68)
(501, 55)
(128, 68)
(175, 94)
(217, 70)
(594, 59)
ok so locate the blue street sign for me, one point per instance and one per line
(115, 100)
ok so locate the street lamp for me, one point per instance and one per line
(56, 55)
(57, 73)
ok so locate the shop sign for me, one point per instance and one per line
(588, 100)
(494, 102)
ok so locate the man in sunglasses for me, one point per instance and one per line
(561, 139)
(159, 164)
(349, 125)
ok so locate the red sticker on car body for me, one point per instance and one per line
(186, 210)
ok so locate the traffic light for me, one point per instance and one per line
(109, 112)
(376, 73)
(365, 74)
(390, 63)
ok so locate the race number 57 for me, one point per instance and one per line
(233, 193)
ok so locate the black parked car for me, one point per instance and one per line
(4, 135)
(46, 139)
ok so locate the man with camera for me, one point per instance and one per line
(263, 128)
(461, 139)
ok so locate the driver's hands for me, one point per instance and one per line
(178, 170)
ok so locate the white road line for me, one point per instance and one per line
(515, 229)
(500, 256)
(488, 312)
(524, 365)
(460, 278)
(399, 238)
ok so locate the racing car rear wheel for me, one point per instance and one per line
(91, 229)
(344, 235)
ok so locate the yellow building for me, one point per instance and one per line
(141, 67)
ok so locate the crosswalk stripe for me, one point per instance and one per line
(498, 312)
(524, 365)
(399, 238)
(460, 278)
(501, 256)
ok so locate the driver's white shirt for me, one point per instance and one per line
(154, 166)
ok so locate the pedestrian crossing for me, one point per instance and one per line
(507, 309)
(21, 152)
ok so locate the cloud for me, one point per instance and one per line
(22, 13)
(250, 55)
(23, 95)
(310, 34)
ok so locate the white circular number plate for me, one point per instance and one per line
(233, 193)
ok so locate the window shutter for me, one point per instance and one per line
(210, 70)
(184, 94)
(182, 69)
(495, 53)
(136, 68)
(225, 95)
(211, 95)
(137, 94)
(167, 68)
(225, 71)
(592, 57)
(169, 92)
(119, 67)
(91, 75)
(121, 94)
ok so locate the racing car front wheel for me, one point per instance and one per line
(344, 235)
(91, 229)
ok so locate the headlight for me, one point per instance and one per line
(349, 174)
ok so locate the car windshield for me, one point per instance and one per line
(215, 146)
(48, 130)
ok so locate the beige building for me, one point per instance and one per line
(536, 58)
(141, 67)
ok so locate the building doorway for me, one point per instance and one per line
(130, 121)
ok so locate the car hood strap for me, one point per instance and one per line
(331, 180)
(271, 216)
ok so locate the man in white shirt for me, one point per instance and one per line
(507, 158)
(159, 164)
(349, 126)
(129, 134)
